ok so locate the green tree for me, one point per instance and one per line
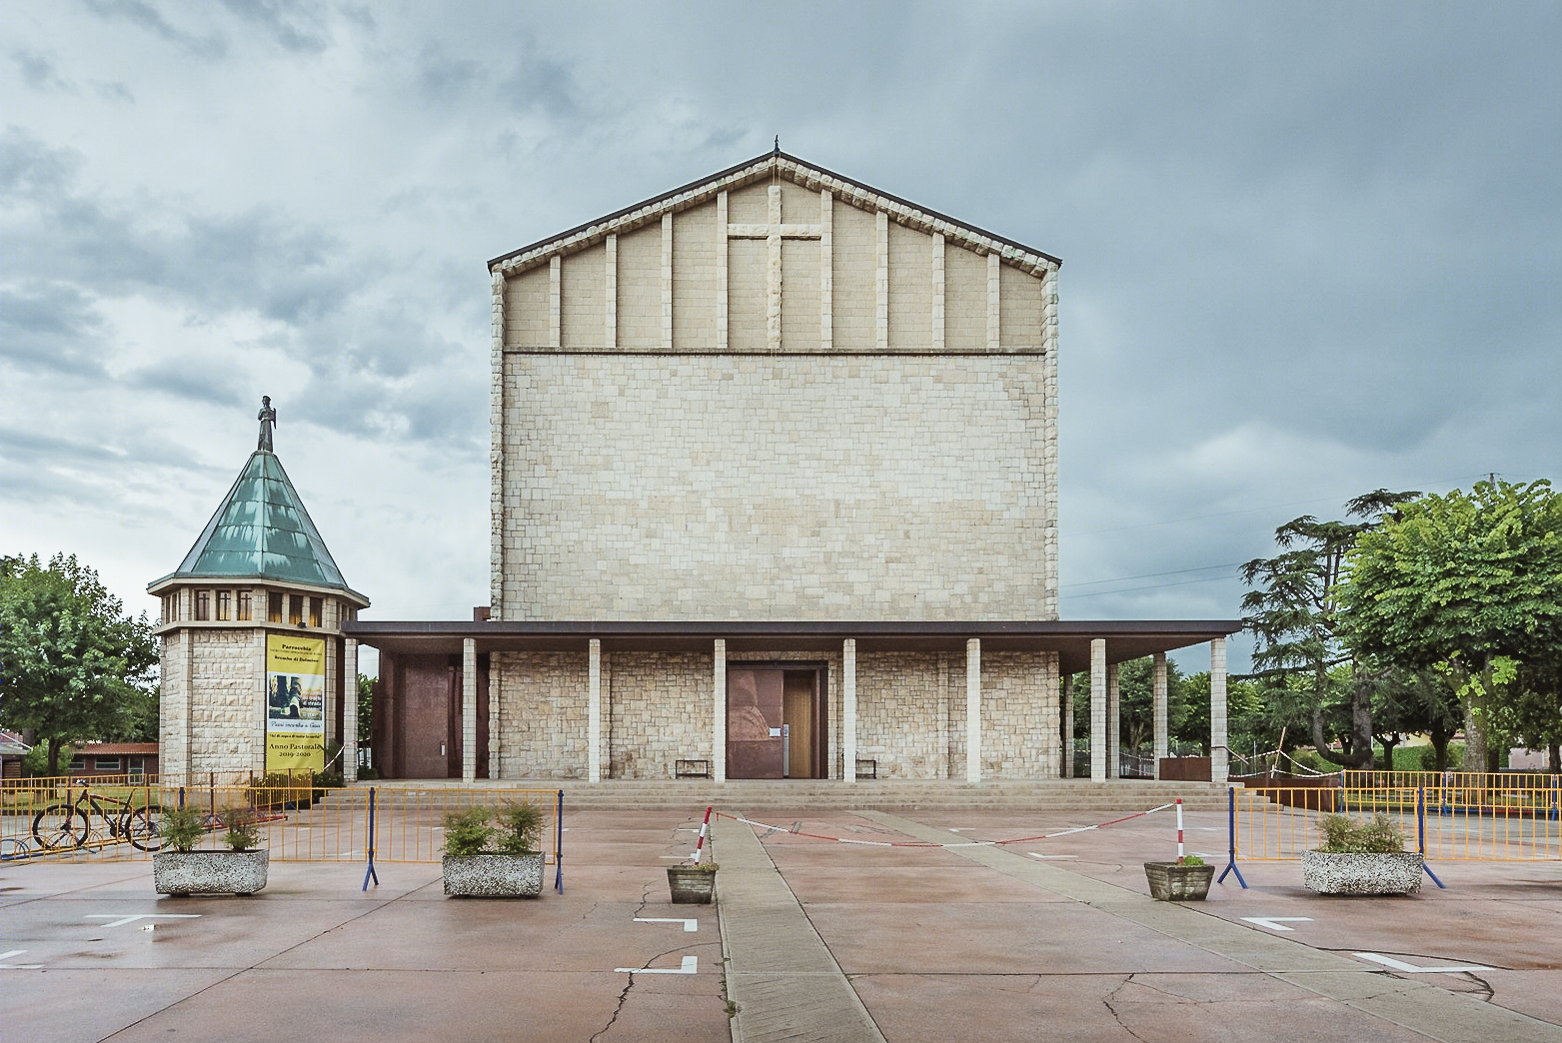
(76, 668)
(365, 709)
(1294, 614)
(1472, 582)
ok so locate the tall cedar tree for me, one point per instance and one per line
(1295, 617)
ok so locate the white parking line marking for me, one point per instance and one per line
(689, 926)
(1274, 922)
(1035, 855)
(16, 966)
(690, 965)
(1408, 968)
(117, 920)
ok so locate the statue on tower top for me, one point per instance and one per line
(268, 422)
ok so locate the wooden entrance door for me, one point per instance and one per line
(754, 718)
(427, 737)
(800, 718)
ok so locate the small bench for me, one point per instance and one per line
(691, 769)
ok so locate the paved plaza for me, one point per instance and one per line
(816, 940)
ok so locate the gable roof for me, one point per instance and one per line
(262, 532)
(793, 169)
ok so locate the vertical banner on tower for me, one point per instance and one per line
(295, 702)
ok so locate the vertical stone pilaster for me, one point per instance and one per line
(994, 311)
(496, 718)
(1158, 696)
(496, 450)
(849, 709)
(468, 709)
(1049, 445)
(1219, 755)
(945, 739)
(667, 282)
(773, 273)
(1114, 724)
(610, 295)
(937, 293)
(594, 711)
(881, 280)
(555, 302)
(973, 710)
(1098, 710)
(718, 751)
(721, 271)
(826, 271)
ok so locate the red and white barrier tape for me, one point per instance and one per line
(925, 844)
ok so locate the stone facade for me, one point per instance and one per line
(778, 395)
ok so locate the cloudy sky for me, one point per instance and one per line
(1309, 249)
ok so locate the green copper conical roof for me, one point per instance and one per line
(262, 531)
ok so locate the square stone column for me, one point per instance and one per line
(718, 738)
(1219, 756)
(1114, 725)
(1158, 696)
(594, 711)
(1098, 709)
(973, 710)
(468, 709)
(350, 709)
(849, 709)
(1067, 726)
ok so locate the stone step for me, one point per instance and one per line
(1046, 794)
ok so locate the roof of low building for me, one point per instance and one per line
(262, 532)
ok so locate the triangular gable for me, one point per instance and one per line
(262, 531)
(793, 169)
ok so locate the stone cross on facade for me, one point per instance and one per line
(773, 231)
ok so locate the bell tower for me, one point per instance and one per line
(256, 673)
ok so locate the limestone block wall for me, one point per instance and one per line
(774, 395)
(656, 709)
(904, 719)
(173, 726)
(227, 703)
(541, 714)
(1019, 715)
(757, 487)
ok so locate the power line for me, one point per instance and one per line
(1151, 575)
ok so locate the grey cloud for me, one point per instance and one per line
(147, 17)
(39, 72)
(441, 79)
(51, 327)
(115, 91)
(207, 380)
(542, 83)
(295, 26)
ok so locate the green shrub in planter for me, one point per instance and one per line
(243, 831)
(520, 829)
(1343, 836)
(182, 828)
(468, 832)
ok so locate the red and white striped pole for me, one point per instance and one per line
(700, 843)
(1179, 831)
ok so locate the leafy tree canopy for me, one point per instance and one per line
(1472, 581)
(76, 668)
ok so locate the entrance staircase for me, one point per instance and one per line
(1122, 795)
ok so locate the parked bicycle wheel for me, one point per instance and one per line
(143, 827)
(60, 826)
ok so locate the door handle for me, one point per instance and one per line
(441, 749)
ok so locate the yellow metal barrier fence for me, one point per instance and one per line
(298, 822)
(1463, 817)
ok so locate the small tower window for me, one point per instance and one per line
(314, 610)
(203, 605)
(224, 605)
(273, 607)
(295, 614)
(244, 606)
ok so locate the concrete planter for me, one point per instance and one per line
(1338, 873)
(1170, 882)
(210, 872)
(690, 885)
(493, 876)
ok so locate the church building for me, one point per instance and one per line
(774, 495)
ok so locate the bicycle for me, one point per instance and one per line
(69, 824)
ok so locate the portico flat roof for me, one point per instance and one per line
(1125, 639)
